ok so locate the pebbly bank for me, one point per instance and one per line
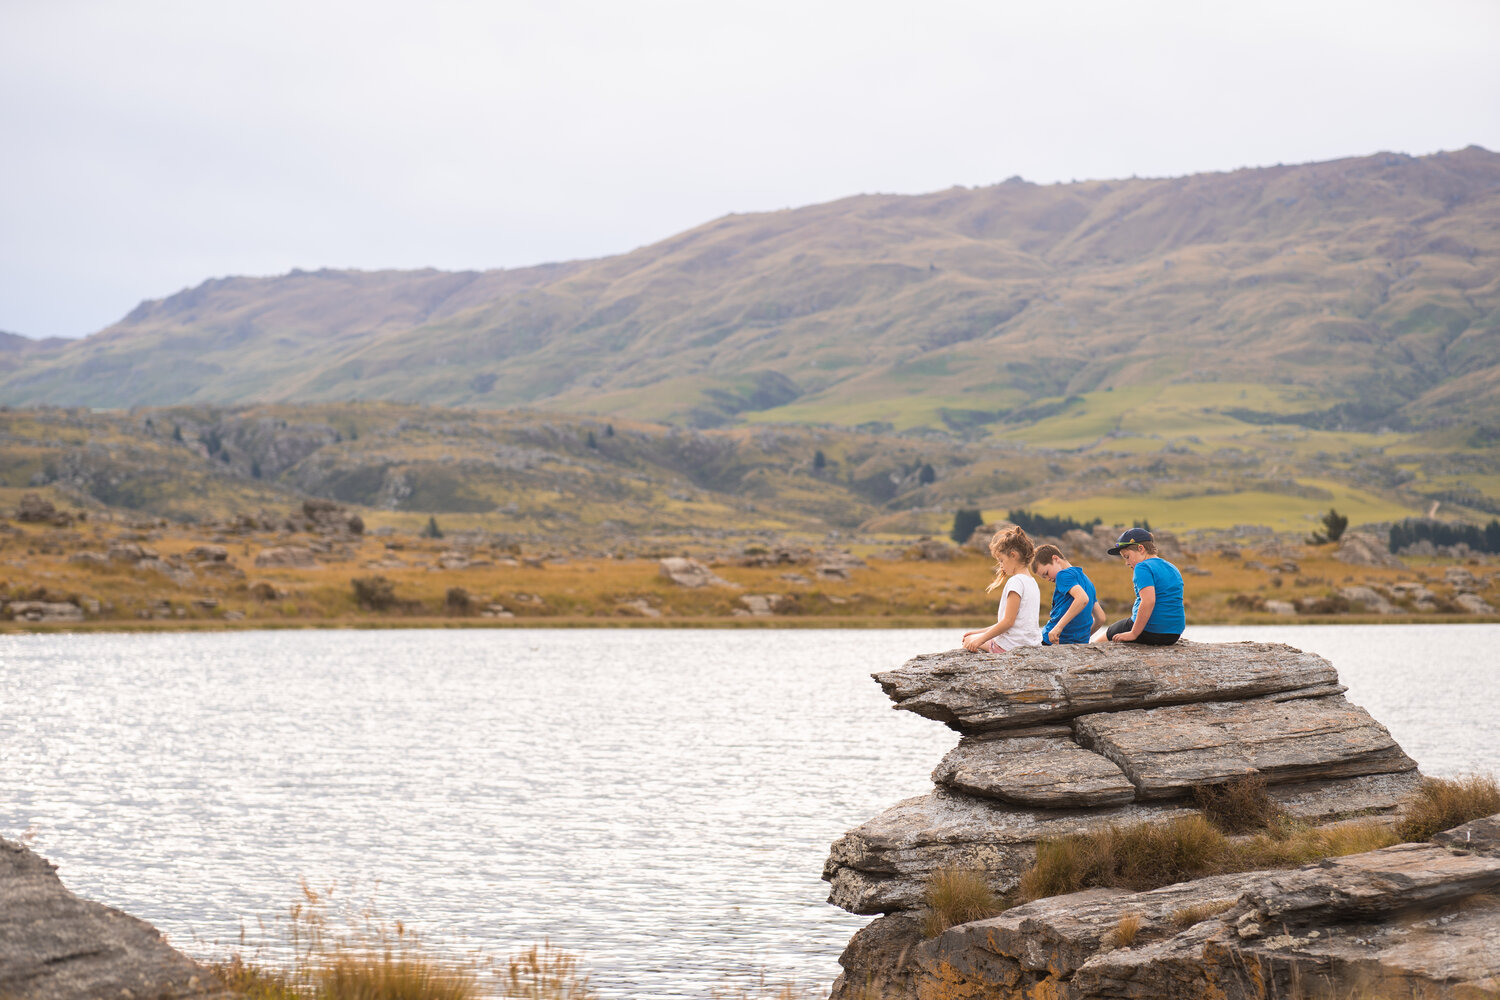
(1063, 740)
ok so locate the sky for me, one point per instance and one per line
(148, 146)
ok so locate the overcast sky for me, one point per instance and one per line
(150, 145)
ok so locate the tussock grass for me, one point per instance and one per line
(1143, 856)
(1199, 912)
(1241, 805)
(1443, 803)
(1123, 936)
(958, 896)
(362, 957)
(543, 972)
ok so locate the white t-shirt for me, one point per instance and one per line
(1026, 630)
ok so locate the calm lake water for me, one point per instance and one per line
(659, 801)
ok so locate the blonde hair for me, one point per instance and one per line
(1015, 541)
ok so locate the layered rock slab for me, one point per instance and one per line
(1040, 767)
(984, 692)
(56, 946)
(1165, 752)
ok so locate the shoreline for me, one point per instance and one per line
(581, 622)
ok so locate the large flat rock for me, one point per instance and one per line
(984, 692)
(1165, 751)
(1047, 769)
(56, 946)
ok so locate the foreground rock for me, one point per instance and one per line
(1057, 741)
(1411, 920)
(56, 946)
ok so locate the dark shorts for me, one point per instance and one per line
(1145, 638)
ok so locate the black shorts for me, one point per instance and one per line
(1145, 638)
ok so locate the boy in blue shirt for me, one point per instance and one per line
(1075, 608)
(1158, 617)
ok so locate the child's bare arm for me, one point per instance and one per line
(1099, 616)
(974, 641)
(1142, 616)
(1079, 599)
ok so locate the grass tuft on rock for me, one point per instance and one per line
(1143, 856)
(1443, 803)
(958, 896)
(1199, 912)
(1123, 936)
(1241, 805)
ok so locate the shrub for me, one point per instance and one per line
(432, 530)
(1240, 805)
(458, 601)
(1443, 803)
(1334, 524)
(374, 593)
(958, 896)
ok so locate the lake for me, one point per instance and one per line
(659, 801)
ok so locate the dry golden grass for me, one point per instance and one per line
(543, 972)
(1199, 912)
(958, 896)
(1124, 934)
(1239, 805)
(1443, 803)
(575, 591)
(1144, 856)
(360, 957)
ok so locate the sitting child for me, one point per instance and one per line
(1020, 600)
(1158, 618)
(1075, 607)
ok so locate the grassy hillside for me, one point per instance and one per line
(614, 485)
(1355, 294)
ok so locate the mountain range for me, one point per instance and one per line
(1359, 293)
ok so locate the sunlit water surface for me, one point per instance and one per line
(659, 801)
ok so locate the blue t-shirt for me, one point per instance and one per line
(1168, 615)
(1082, 625)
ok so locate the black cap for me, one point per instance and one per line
(1131, 536)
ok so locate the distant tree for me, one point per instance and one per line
(432, 530)
(592, 442)
(177, 433)
(1142, 523)
(1334, 524)
(965, 521)
(254, 469)
(820, 460)
(458, 601)
(1040, 524)
(609, 430)
(927, 475)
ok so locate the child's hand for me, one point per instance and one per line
(972, 643)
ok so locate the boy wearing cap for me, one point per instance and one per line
(1158, 617)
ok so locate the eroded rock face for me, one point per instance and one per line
(690, 573)
(1041, 767)
(56, 946)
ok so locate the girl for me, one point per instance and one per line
(1020, 600)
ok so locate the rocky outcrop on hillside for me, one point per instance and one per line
(1055, 741)
(56, 946)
